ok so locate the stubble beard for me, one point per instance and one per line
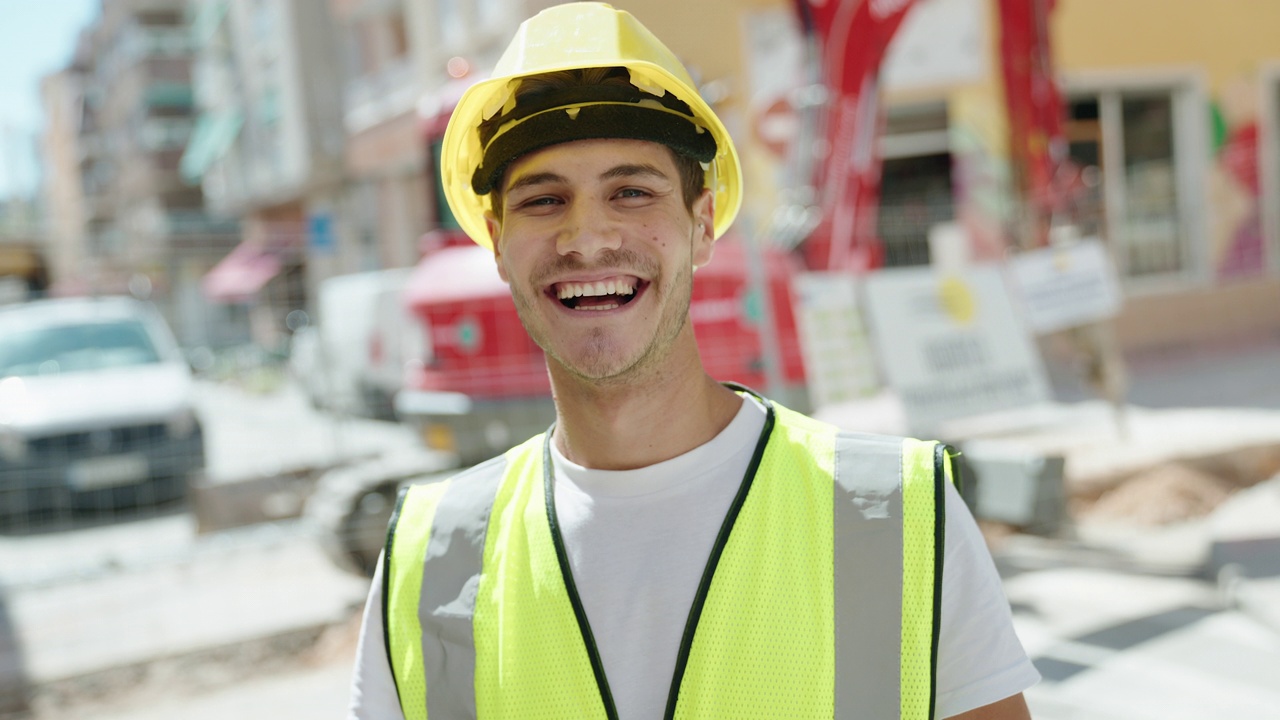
(599, 362)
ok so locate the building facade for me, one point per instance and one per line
(1174, 137)
(63, 190)
(266, 150)
(1184, 127)
(134, 227)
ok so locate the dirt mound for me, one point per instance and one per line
(1165, 494)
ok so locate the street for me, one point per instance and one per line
(1240, 374)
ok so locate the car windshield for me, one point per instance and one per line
(75, 348)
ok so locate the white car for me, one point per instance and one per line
(95, 408)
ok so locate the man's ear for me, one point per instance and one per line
(704, 228)
(495, 233)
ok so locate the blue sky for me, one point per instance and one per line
(37, 37)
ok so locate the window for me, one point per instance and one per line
(76, 348)
(915, 195)
(915, 182)
(1150, 228)
(1127, 142)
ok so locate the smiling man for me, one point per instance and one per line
(672, 546)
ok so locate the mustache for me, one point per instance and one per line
(607, 259)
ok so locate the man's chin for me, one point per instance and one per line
(603, 364)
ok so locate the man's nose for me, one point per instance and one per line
(590, 230)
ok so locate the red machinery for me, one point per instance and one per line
(484, 385)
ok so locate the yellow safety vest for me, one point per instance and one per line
(820, 599)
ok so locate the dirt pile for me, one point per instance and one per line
(1164, 494)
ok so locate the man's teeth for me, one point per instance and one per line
(608, 287)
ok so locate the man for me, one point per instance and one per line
(672, 547)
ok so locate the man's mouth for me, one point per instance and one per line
(600, 295)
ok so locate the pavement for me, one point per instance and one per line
(91, 610)
(1179, 621)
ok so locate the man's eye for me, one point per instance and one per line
(538, 201)
(632, 193)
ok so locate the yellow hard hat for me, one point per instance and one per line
(661, 103)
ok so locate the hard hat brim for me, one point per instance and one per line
(461, 151)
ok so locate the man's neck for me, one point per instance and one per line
(634, 425)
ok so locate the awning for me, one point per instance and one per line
(210, 140)
(241, 274)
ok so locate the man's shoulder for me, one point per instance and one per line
(797, 421)
(486, 469)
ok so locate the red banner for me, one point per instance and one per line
(853, 35)
(1037, 147)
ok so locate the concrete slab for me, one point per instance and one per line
(1216, 667)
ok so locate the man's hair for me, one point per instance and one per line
(692, 175)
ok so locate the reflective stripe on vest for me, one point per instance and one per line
(480, 622)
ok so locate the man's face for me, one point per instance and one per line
(599, 247)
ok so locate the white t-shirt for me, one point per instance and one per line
(638, 541)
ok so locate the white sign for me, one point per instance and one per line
(951, 344)
(1063, 287)
(774, 53)
(940, 43)
(838, 362)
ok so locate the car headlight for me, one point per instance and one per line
(13, 447)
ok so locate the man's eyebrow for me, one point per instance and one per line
(535, 179)
(632, 170)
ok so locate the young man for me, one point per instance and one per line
(672, 547)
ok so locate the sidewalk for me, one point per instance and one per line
(240, 596)
(1126, 618)
(1122, 631)
(270, 585)
(90, 609)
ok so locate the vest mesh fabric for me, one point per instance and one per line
(918, 507)
(764, 646)
(531, 662)
(404, 631)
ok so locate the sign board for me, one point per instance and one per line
(839, 365)
(941, 43)
(951, 344)
(775, 68)
(1064, 287)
